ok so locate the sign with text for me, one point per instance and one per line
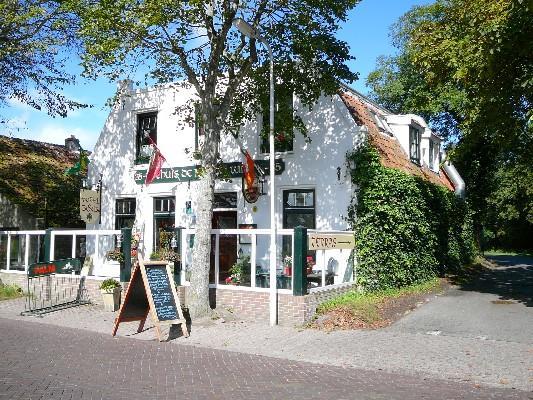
(192, 173)
(331, 241)
(66, 266)
(89, 206)
(151, 291)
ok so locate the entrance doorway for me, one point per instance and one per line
(227, 245)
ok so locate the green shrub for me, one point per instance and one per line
(408, 229)
(10, 291)
(109, 284)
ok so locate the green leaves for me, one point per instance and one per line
(408, 230)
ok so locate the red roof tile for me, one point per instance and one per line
(391, 153)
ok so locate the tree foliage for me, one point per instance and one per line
(195, 42)
(408, 229)
(33, 37)
(467, 66)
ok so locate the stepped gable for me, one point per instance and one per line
(392, 155)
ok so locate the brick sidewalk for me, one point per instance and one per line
(59, 363)
(496, 363)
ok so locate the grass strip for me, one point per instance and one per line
(366, 305)
(10, 291)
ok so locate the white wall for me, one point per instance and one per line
(311, 165)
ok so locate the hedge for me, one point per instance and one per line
(408, 230)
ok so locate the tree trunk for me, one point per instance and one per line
(198, 292)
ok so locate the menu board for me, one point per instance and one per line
(161, 291)
(151, 291)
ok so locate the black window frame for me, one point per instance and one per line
(141, 137)
(415, 137)
(160, 214)
(295, 210)
(431, 154)
(125, 209)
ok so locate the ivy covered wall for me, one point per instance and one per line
(407, 229)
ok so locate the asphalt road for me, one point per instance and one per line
(40, 361)
(498, 306)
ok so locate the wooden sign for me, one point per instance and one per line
(89, 206)
(151, 291)
(330, 241)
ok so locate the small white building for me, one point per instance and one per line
(313, 185)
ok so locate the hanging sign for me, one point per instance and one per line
(89, 206)
(330, 241)
(191, 173)
(151, 291)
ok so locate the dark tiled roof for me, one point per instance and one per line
(391, 153)
(31, 171)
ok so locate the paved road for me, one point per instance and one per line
(431, 344)
(41, 361)
(497, 306)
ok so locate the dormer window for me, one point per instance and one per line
(431, 153)
(414, 144)
(146, 134)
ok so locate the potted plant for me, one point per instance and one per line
(287, 266)
(110, 289)
(238, 270)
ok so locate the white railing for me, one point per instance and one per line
(12, 248)
(7, 244)
(257, 248)
(333, 267)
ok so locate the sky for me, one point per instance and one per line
(366, 32)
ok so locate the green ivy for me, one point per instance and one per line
(408, 230)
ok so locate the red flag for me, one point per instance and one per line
(249, 172)
(156, 162)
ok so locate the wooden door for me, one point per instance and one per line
(227, 244)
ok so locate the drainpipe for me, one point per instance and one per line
(456, 179)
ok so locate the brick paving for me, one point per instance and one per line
(41, 361)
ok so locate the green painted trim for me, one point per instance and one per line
(125, 267)
(300, 262)
(191, 173)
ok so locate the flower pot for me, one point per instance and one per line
(111, 298)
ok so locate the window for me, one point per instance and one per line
(146, 128)
(283, 122)
(431, 154)
(164, 217)
(298, 209)
(414, 144)
(225, 200)
(124, 213)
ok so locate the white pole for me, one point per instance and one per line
(273, 250)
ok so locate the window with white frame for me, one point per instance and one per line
(414, 144)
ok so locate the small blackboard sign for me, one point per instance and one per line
(151, 291)
(161, 291)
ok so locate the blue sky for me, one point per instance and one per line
(366, 32)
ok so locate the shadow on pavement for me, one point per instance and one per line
(511, 280)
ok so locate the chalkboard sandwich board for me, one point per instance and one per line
(151, 290)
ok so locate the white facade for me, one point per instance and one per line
(317, 165)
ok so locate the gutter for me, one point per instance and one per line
(458, 182)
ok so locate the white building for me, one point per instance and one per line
(313, 186)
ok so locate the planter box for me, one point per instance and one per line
(111, 298)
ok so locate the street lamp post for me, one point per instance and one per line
(247, 30)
